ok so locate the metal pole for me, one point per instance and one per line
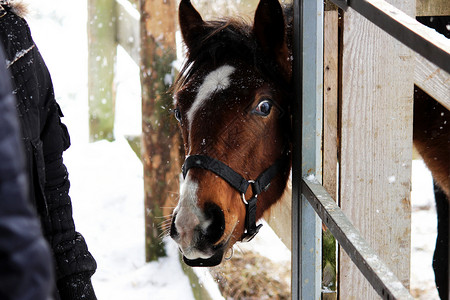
(297, 154)
(308, 83)
(382, 279)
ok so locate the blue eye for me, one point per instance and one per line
(177, 114)
(263, 108)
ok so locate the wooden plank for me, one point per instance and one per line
(432, 8)
(127, 34)
(330, 142)
(376, 147)
(279, 217)
(101, 61)
(402, 26)
(433, 80)
(330, 98)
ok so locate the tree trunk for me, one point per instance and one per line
(101, 64)
(160, 135)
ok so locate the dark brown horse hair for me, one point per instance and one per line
(223, 41)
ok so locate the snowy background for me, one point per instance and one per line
(106, 177)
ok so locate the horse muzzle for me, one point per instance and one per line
(198, 237)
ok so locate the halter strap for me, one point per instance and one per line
(239, 183)
(218, 168)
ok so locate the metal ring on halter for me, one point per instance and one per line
(243, 194)
(243, 199)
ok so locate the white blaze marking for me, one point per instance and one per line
(189, 216)
(187, 210)
(217, 80)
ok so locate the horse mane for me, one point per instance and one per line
(227, 40)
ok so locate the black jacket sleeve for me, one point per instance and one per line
(74, 263)
(45, 138)
(25, 261)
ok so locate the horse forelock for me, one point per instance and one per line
(225, 41)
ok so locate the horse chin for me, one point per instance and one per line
(214, 260)
(205, 262)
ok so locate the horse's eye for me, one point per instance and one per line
(263, 108)
(177, 114)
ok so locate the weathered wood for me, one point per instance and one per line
(330, 141)
(432, 8)
(405, 28)
(433, 80)
(376, 147)
(161, 138)
(279, 217)
(128, 35)
(101, 62)
(200, 292)
(330, 107)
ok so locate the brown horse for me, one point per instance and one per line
(232, 102)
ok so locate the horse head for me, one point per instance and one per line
(232, 101)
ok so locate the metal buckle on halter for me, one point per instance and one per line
(243, 194)
(250, 231)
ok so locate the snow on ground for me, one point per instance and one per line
(107, 193)
(423, 237)
(106, 177)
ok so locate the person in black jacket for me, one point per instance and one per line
(44, 139)
(26, 271)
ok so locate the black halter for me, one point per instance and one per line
(238, 182)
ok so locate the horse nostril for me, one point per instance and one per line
(173, 228)
(216, 229)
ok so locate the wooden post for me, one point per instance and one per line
(161, 138)
(433, 80)
(101, 64)
(330, 98)
(376, 146)
(330, 139)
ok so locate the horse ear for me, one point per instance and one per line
(191, 23)
(268, 25)
(269, 30)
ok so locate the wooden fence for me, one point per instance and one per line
(364, 141)
(353, 136)
(375, 80)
